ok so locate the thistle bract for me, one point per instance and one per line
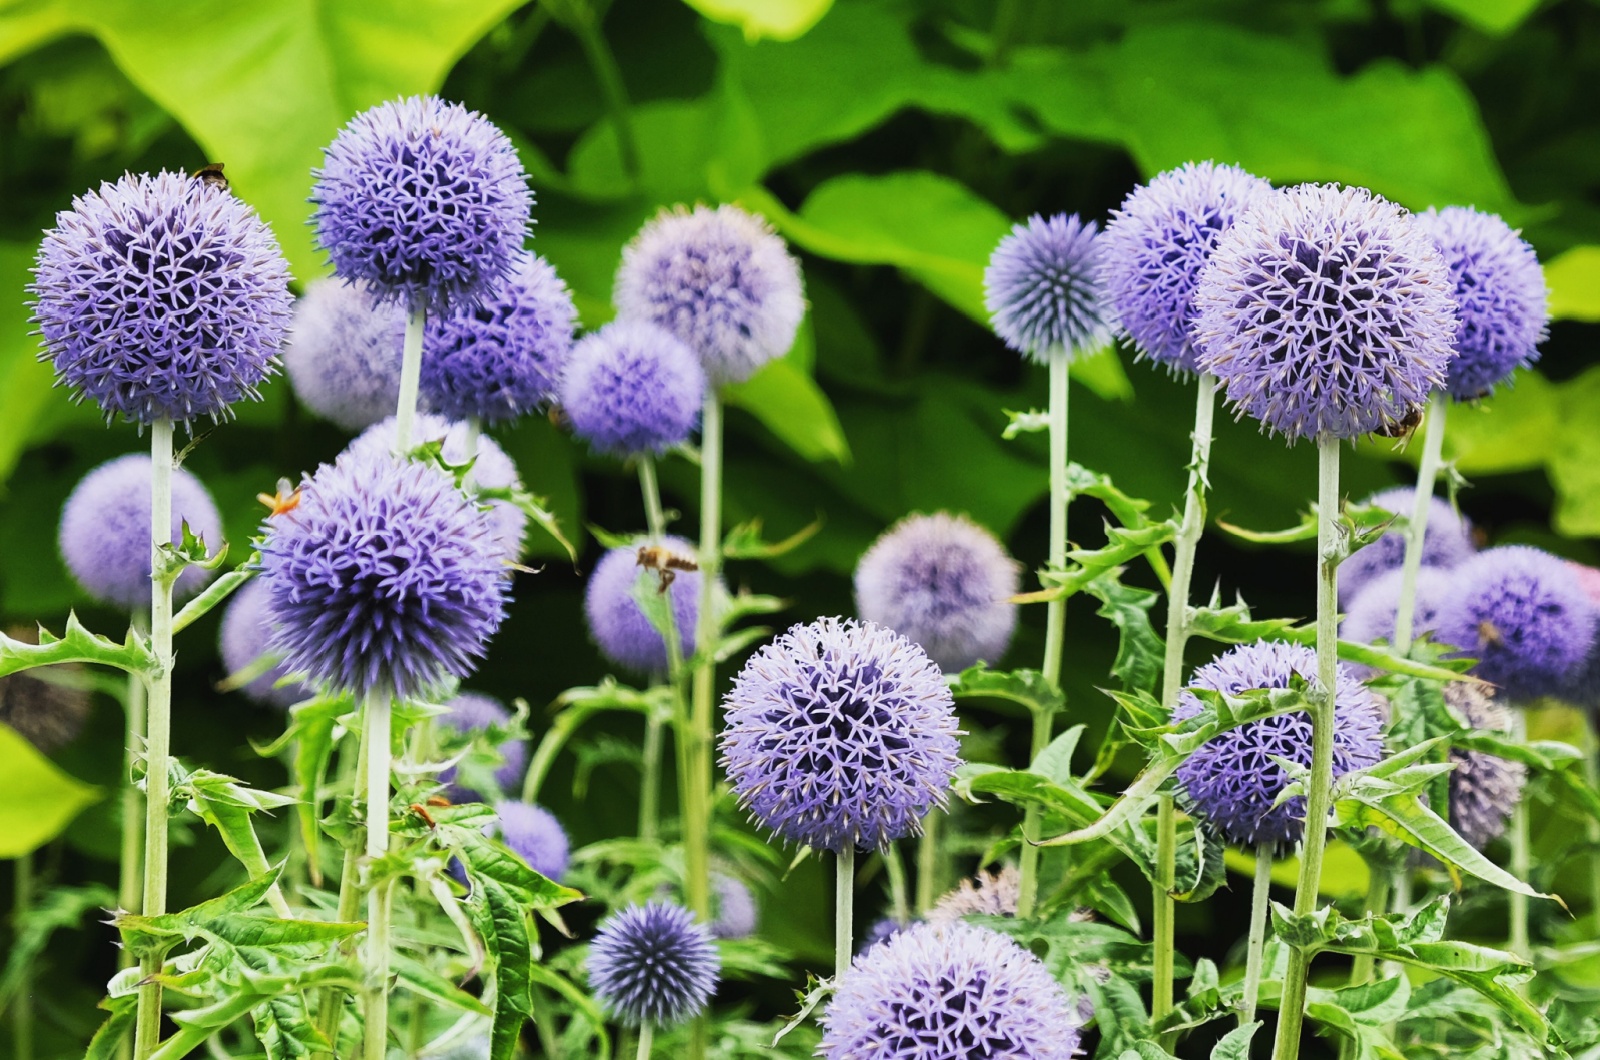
(633, 388)
(343, 353)
(1044, 290)
(1446, 543)
(618, 623)
(535, 835)
(734, 913)
(245, 637)
(1484, 788)
(472, 711)
(161, 297)
(653, 964)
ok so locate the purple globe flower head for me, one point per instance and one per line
(987, 894)
(632, 388)
(950, 992)
(1446, 543)
(492, 469)
(1584, 689)
(343, 353)
(1231, 783)
(721, 280)
(1044, 289)
(245, 637)
(734, 912)
(105, 531)
(882, 930)
(840, 735)
(501, 359)
(386, 579)
(1373, 610)
(474, 711)
(1325, 310)
(161, 297)
(425, 200)
(617, 622)
(1484, 788)
(1155, 247)
(653, 964)
(1499, 289)
(944, 582)
(535, 835)
(1520, 613)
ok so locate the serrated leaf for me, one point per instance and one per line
(1027, 688)
(1235, 1045)
(247, 931)
(1140, 651)
(76, 645)
(418, 978)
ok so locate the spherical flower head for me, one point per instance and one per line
(1231, 783)
(734, 912)
(633, 388)
(501, 359)
(105, 531)
(385, 579)
(721, 280)
(1584, 688)
(535, 835)
(1155, 247)
(1044, 289)
(653, 964)
(950, 992)
(617, 622)
(987, 894)
(1484, 788)
(840, 735)
(343, 353)
(473, 711)
(425, 200)
(1446, 543)
(946, 583)
(1499, 289)
(245, 637)
(1325, 310)
(161, 297)
(491, 469)
(1519, 612)
(1373, 610)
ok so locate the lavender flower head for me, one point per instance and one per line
(987, 894)
(734, 908)
(633, 388)
(385, 580)
(245, 637)
(617, 622)
(105, 531)
(1520, 613)
(952, 992)
(1484, 788)
(1446, 543)
(839, 735)
(535, 835)
(1373, 610)
(425, 200)
(343, 353)
(1499, 288)
(501, 359)
(474, 712)
(1157, 244)
(720, 280)
(944, 582)
(1584, 688)
(161, 297)
(653, 964)
(1325, 310)
(1044, 288)
(1231, 783)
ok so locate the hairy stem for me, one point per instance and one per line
(928, 861)
(405, 414)
(647, 1037)
(899, 900)
(655, 519)
(375, 990)
(1417, 529)
(1256, 941)
(844, 899)
(650, 779)
(130, 893)
(353, 777)
(1521, 854)
(1380, 885)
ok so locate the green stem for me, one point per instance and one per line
(130, 893)
(353, 777)
(1380, 884)
(544, 1022)
(896, 871)
(1184, 548)
(375, 990)
(650, 779)
(22, 1001)
(1591, 766)
(1256, 941)
(1291, 1011)
(612, 89)
(473, 430)
(928, 861)
(647, 1037)
(410, 379)
(844, 899)
(158, 735)
(1521, 854)
(1417, 528)
(655, 519)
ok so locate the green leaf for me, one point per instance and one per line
(499, 920)
(25, 384)
(149, 934)
(773, 19)
(42, 799)
(1496, 17)
(789, 403)
(107, 1041)
(1026, 688)
(488, 860)
(1574, 282)
(59, 908)
(1140, 651)
(426, 983)
(245, 930)
(76, 645)
(1235, 1045)
(215, 593)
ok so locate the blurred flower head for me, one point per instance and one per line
(1374, 609)
(734, 912)
(472, 712)
(1484, 788)
(653, 964)
(245, 637)
(1446, 543)
(47, 713)
(987, 894)
(535, 835)
(343, 353)
(1044, 291)
(633, 388)
(882, 930)
(617, 622)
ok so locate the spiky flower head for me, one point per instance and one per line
(386, 579)
(721, 280)
(245, 637)
(1484, 788)
(840, 735)
(653, 964)
(734, 912)
(1500, 292)
(105, 531)
(1584, 688)
(1231, 782)
(502, 358)
(535, 835)
(616, 620)
(1373, 610)
(43, 705)
(1520, 613)
(1155, 247)
(425, 200)
(987, 894)
(946, 583)
(343, 353)
(949, 992)
(1044, 289)
(161, 297)
(633, 388)
(1325, 310)
(1446, 543)
(470, 712)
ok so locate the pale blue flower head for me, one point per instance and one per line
(653, 964)
(343, 353)
(632, 388)
(1044, 288)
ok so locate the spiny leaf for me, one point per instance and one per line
(1027, 688)
(76, 645)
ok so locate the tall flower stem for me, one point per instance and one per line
(1055, 630)
(655, 519)
(158, 726)
(650, 779)
(130, 891)
(899, 900)
(1184, 548)
(474, 432)
(647, 1037)
(1591, 764)
(1521, 854)
(650, 791)
(928, 860)
(22, 1003)
(1417, 528)
(696, 785)
(1319, 797)
(405, 415)
(844, 900)
(375, 991)
(1256, 941)
(1380, 885)
(353, 777)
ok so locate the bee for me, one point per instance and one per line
(1404, 427)
(287, 499)
(211, 173)
(1489, 634)
(666, 564)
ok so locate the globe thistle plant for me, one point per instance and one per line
(469, 712)
(1044, 290)
(633, 388)
(616, 620)
(653, 965)
(945, 583)
(882, 930)
(736, 914)
(245, 638)
(1446, 543)
(535, 835)
(1484, 788)
(343, 353)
